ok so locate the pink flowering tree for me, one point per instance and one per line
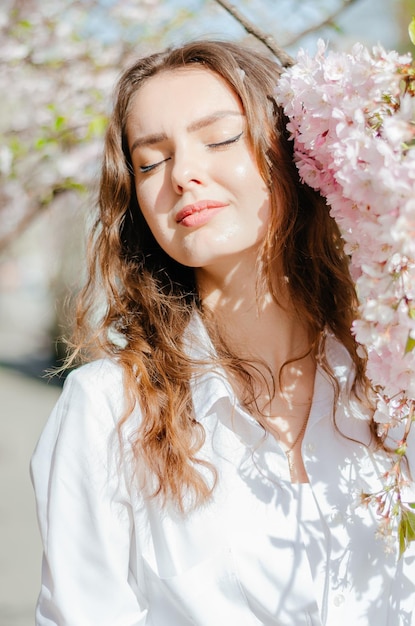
(54, 81)
(351, 117)
(352, 120)
(58, 64)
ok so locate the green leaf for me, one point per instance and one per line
(40, 143)
(25, 24)
(97, 126)
(410, 525)
(401, 535)
(66, 185)
(401, 450)
(410, 344)
(59, 122)
(411, 505)
(406, 529)
(18, 148)
(75, 186)
(336, 27)
(408, 145)
(411, 30)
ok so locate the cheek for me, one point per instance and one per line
(248, 177)
(147, 201)
(243, 168)
(257, 195)
(144, 199)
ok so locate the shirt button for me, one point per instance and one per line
(311, 447)
(338, 600)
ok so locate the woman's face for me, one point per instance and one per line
(197, 182)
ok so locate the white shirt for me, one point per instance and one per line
(261, 551)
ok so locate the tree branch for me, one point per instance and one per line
(328, 21)
(29, 217)
(285, 59)
(7, 239)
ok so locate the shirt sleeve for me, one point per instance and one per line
(84, 514)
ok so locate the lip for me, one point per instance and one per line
(198, 212)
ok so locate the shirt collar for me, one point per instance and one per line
(342, 366)
(212, 384)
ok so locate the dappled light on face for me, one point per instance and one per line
(197, 183)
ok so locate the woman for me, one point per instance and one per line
(207, 470)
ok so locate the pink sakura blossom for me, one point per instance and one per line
(353, 126)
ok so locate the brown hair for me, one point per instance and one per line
(150, 298)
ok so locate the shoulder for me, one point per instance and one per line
(104, 374)
(100, 381)
(89, 408)
(78, 457)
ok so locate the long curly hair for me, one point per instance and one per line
(137, 301)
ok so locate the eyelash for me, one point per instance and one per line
(227, 142)
(145, 169)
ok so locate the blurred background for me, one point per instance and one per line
(58, 64)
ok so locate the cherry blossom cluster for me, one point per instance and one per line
(352, 118)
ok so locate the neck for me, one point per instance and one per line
(254, 325)
(267, 330)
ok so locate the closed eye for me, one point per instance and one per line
(225, 143)
(221, 144)
(148, 168)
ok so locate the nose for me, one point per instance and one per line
(187, 171)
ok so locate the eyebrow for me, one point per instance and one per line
(149, 140)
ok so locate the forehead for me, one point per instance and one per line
(185, 93)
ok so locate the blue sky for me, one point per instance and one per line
(368, 21)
